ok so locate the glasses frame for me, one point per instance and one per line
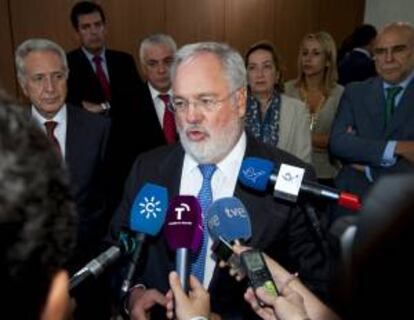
(212, 104)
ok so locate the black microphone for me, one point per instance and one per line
(147, 217)
(96, 266)
(257, 173)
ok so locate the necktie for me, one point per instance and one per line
(168, 122)
(50, 132)
(103, 80)
(205, 196)
(390, 102)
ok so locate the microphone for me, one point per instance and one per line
(183, 231)
(257, 174)
(228, 222)
(96, 266)
(146, 217)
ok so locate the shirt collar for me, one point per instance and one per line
(59, 117)
(155, 93)
(362, 50)
(402, 84)
(90, 55)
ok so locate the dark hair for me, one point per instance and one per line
(36, 215)
(360, 37)
(363, 35)
(277, 60)
(82, 8)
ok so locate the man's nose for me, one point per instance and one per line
(193, 114)
(49, 84)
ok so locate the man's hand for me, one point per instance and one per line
(142, 300)
(196, 303)
(288, 306)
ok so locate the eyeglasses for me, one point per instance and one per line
(205, 103)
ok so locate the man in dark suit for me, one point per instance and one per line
(209, 102)
(156, 54)
(106, 81)
(79, 138)
(357, 64)
(373, 133)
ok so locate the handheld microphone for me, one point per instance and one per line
(228, 222)
(96, 266)
(146, 217)
(257, 174)
(183, 231)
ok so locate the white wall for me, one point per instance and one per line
(382, 12)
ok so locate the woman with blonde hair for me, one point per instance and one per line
(271, 116)
(316, 85)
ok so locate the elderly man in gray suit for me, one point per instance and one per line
(373, 133)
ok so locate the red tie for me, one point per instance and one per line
(168, 122)
(102, 77)
(50, 132)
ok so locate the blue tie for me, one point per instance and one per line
(205, 196)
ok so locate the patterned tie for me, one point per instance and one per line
(205, 196)
(390, 102)
(168, 122)
(103, 80)
(50, 132)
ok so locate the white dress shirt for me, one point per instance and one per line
(158, 103)
(60, 131)
(223, 184)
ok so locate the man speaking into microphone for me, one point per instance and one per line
(209, 104)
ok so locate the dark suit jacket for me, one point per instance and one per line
(363, 108)
(279, 228)
(355, 66)
(124, 79)
(86, 143)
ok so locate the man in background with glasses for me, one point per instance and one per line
(373, 133)
(209, 104)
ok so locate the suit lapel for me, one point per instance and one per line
(170, 170)
(74, 134)
(405, 110)
(374, 102)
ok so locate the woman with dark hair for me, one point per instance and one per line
(271, 116)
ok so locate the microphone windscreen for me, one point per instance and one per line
(149, 209)
(255, 173)
(229, 219)
(182, 226)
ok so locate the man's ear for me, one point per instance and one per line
(241, 101)
(57, 303)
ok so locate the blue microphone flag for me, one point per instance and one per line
(255, 173)
(149, 209)
(228, 218)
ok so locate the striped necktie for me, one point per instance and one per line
(205, 196)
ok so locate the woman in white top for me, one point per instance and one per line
(316, 85)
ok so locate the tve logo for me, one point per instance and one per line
(234, 212)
